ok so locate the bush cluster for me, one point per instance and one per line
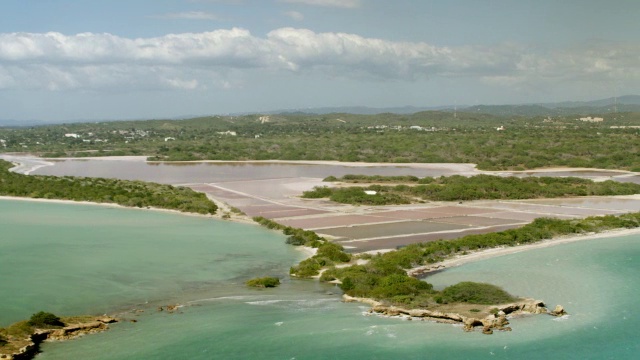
(44, 319)
(474, 293)
(264, 282)
(461, 188)
(123, 192)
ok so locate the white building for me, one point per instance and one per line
(590, 119)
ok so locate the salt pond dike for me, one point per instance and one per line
(76, 259)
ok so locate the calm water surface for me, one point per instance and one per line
(217, 172)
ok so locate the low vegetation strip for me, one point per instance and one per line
(101, 190)
(460, 188)
(524, 142)
(327, 253)
(384, 277)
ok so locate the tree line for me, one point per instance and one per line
(101, 190)
(461, 188)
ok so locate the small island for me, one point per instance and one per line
(264, 282)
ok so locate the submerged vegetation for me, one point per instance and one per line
(458, 188)
(123, 192)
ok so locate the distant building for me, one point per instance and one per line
(264, 119)
(590, 119)
(3, 142)
(169, 138)
(75, 136)
(231, 133)
(501, 128)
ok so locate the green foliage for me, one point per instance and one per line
(44, 319)
(474, 293)
(307, 268)
(384, 277)
(297, 236)
(457, 188)
(328, 253)
(318, 192)
(264, 282)
(350, 178)
(101, 190)
(527, 142)
(333, 252)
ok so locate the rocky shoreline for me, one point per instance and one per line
(30, 347)
(497, 320)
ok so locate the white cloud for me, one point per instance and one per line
(189, 15)
(349, 4)
(198, 60)
(297, 16)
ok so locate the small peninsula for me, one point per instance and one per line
(21, 341)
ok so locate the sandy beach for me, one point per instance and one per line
(219, 214)
(501, 251)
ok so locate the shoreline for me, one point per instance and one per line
(452, 166)
(217, 216)
(459, 260)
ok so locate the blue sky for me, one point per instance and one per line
(94, 60)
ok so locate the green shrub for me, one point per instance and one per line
(475, 293)
(333, 252)
(264, 282)
(44, 319)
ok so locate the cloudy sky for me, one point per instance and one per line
(123, 59)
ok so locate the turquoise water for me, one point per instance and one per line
(143, 256)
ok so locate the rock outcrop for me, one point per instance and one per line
(558, 311)
(496, 321)
(68, 332)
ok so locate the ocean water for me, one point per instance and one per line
(140, 259)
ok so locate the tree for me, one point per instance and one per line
(43, 319)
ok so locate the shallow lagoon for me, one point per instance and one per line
(141, 256)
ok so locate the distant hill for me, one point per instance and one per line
(357, 110)
(602, 106)
(627, 103)
(20, 123)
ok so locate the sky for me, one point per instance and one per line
(69, 60)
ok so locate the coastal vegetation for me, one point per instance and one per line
(461, 188)
(384, 277)
(264, 282)
(100, 190)
(22, 339)
(523, 142)
(474, 293)
(327, 253)
(43, 319)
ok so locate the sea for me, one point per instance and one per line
(88, 259)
